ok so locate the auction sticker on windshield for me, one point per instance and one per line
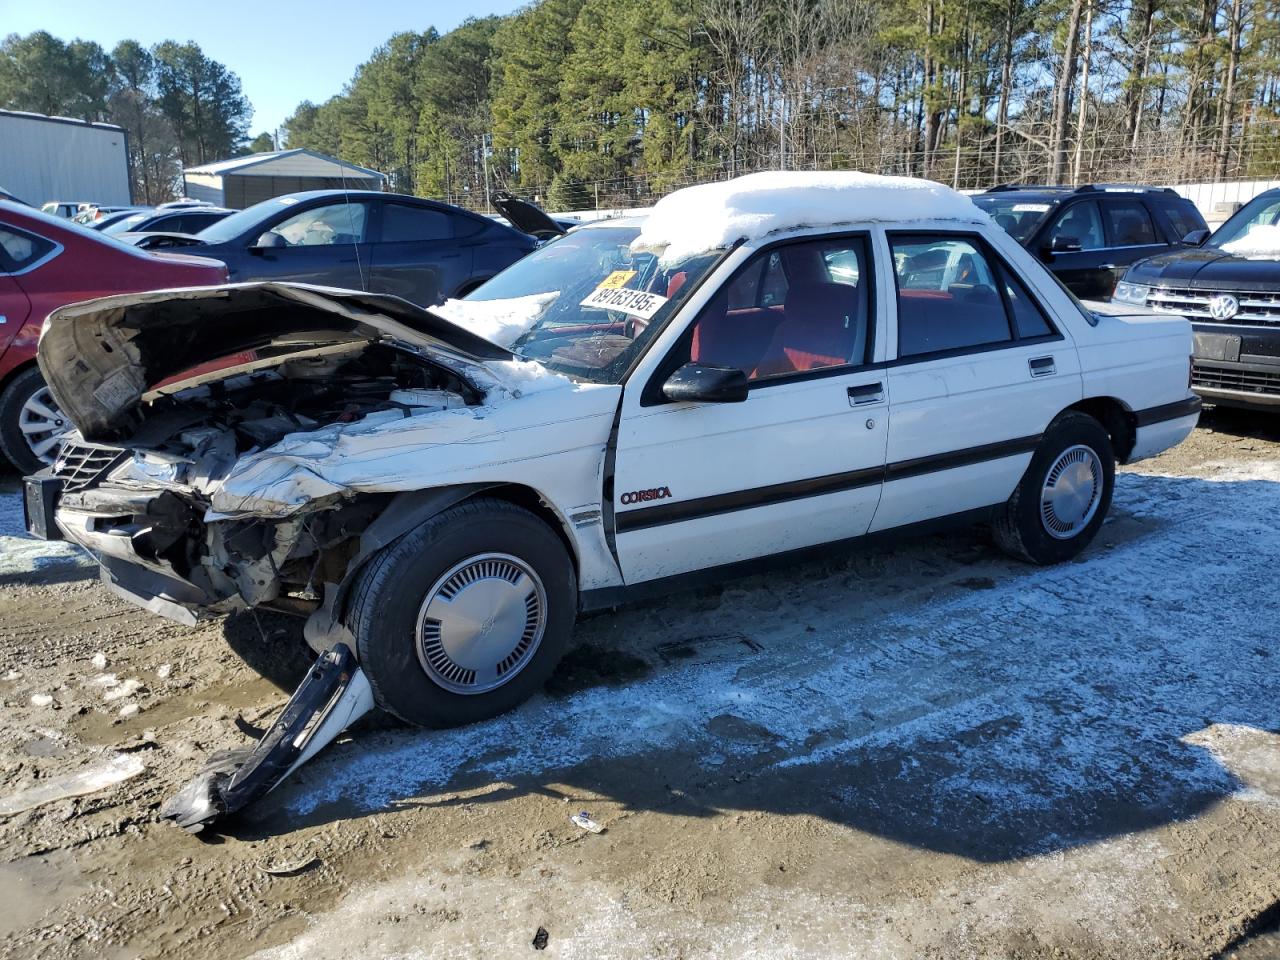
(635, 302)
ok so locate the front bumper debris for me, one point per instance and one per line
(334, 695)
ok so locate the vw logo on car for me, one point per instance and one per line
(1223, 307)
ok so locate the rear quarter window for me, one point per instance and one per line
(1183, 215)
(20, 250)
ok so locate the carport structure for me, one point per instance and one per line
(244, 181)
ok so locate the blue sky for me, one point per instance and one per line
(285, 51)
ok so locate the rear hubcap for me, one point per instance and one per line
(42, 425)
(1071, 493)
(480, 623)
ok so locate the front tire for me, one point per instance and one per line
(466, 615)
(1062, 500)
(31, 425)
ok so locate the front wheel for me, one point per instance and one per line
(1063, 498)
(466, 615)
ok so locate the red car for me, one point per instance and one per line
(47, 262)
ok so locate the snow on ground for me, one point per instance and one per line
(712, 216)
(1050, 713)
(21, 553)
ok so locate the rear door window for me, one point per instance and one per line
(402, 223)
(1129, 224)
(948, 295)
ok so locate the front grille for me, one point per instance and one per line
(1230, 378)
(81, 465)
(1261, 308)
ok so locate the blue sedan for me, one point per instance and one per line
(423, 251)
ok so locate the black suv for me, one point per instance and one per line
(1230, 291)
(1089, 235)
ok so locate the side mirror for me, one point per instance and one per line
(1196, 237)
(269, 241)
(698, 383)
(1061, 244)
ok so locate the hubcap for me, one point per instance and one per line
(1071, 493)
(42, 424)
(481, 623)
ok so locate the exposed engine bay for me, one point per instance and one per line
(149, 493)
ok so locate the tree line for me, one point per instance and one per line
(614, 102)
(179, 107)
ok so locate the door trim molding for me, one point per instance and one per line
(696, 509)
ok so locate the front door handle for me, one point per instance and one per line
(865, 393)
(1042, 367)
(1108, 266)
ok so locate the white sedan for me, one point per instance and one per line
(758, 369)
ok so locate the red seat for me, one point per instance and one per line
(825, 326)
(733, 338)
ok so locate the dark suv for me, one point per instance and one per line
(1089, 235)
(1230, 291)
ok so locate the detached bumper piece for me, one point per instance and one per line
(334, 695)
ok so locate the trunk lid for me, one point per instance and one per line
(101, 357)
(525, 216)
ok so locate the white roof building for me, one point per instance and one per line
(244, 181)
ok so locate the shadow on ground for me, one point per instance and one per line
(935, 694)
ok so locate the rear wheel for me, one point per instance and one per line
(1063, 498)
(31, 425)
(466, 615)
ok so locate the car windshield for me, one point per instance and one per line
(1019, 216)
(585, 304)
(1262, 211)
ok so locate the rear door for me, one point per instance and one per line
(1131, 235)
(1087, 271)
(327, 244)
(799, 462)
(980, 372)
(418, 255)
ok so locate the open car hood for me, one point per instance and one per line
(525, 216)
(102, 357)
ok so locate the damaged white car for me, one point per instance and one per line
(759, 368)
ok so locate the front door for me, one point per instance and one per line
(326, 245)
(980, 372)
(800, 461)
(1087, 271)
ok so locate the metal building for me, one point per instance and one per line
(57, 158)
(244, 181)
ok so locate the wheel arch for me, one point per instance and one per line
(407, 510)
(1116, 418)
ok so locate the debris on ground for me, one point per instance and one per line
(290, 869)
(540, 939)
(334, 695)
(115, 769)
(583, 820)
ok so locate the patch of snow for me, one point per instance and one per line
(1091, 710)
(41, 700)
(712, 216)
(99, 661)
(499, 321)
(22, 554)
(1260, 242)
(120, 691)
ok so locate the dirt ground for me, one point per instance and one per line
(917, 749)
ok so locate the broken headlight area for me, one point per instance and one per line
(146, 499)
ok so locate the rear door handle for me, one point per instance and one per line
(1042, 367)
(1108, 266)
(865, 393)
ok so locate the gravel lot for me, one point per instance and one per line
(920, 750)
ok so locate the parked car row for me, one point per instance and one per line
(422, 251)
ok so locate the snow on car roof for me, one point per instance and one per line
(714, 215)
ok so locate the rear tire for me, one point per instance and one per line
(26, 427)
(466, 615)
(1062, 500)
